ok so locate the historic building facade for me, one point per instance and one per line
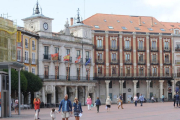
(132, 55)
(64, 59)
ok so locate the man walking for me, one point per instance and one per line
(177, 99)
(66, 106)
(141, 98)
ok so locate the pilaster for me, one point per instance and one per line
(135, 84)
(107, 87)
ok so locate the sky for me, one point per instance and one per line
(60, 10)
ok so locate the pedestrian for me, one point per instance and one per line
(98, 103)
(141, 98)
(77, 108)
(89, 102)
(36, 107)
(135, 100)
(108, 103)
(38, 104)
(120, 102)
(53, 114)
(16, 105)
(174, 99)
(66, 106)
(162, 98)
(131, 99)
(177, 99)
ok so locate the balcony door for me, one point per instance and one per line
(140, 45)
(99, 43)
(46, 72)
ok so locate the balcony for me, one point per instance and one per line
(33, 47)
(154, 75)
(154, 62)
(154, 49)
(80, 60)
(177, 49)
(46, 57)
(33, 61)
(126, 49)
(141, 62)
(86, 59)
(100, 61)
(141, 49)
(26, 60)
(114, 61)
(57, 58)
(26, 45)
(167, 49)
(167, 62)
(177, 62)
(141, 74)
(128, 75)
(70, 60)
(127, 62)
(99, 48)
(112, 48)
(114, 75)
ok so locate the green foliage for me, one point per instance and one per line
(14, 80)
(34, 82)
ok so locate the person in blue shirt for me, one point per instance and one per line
(177, 99)
(77, 108)
(66, 106)
(98, 103)
(141, 98)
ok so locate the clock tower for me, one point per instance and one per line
(37, 22)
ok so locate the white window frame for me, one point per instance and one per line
(26, 41)
(33, 47)
(33, 70)
(26, 60)
(33, 58)
(18, 56)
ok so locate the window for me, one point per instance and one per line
(113, 56)
(26, 68)
(33, 45)
(99, 56)
(143, 22)
(99, 43)
(118, 21)
(26, 43)
(155, 23)
(105, 20)
(137, 28)
(128, 71)
(26, 57)
(150, 29)
(19, 44)
(78, 53)
(166, 58)
(46, 71)
(154, 71)
(124, 28)
(154, 45)
(162, 29)
(110, 85)
(33, 58)
(166, 45)
(141, 71)
(137, 86)
(127, 44)
(151, 84)
(172, 25)
(124, 84)
(127, 57)
(111, 96)
(154, 57)
(176, 31)
(113, 70)
(131, 21)
(140, 45)
(56, 50)
(96, 26)
(87, 56)
(19, 55)
(167, 71)
(67, 51)
(110, 27)
(141, 57)
(33, 70)
(99, 70)
(46, 50)
(113, 44)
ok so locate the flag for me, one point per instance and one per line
(18, 36)
(89, 61)
(67, 57)
(78, 59)
(54, 56)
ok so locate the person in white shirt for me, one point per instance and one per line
(53, 114)
(135, 100)
(16, 105)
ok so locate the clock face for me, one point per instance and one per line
(31, 26)
(45, 25)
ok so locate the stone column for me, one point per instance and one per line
(54, 90)
(173, 90)
(161, 87)
(135, 84)
(107, 87)
(65, 90)
(77, 92)
(148, 88)
(43, 95)
(121, 86)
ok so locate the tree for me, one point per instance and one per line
(14, 80)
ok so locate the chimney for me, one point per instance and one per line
(139, 21)
(71, 20)
(151, 21)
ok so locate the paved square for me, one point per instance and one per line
(149, 111)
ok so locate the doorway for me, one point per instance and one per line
(49, 98)
(124, 97)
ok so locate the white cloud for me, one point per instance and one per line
(161, 3)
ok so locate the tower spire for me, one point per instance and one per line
(78, 17)
(37, 8)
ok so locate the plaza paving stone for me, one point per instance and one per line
(149, 111)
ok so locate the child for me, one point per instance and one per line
(53, 114)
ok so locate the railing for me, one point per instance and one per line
(47, 57)
(167, 49)
(112, 48)
(167, 62)
(99, 48)
(70, 59)
(57, 58)
(114, 74)
(141, 49)
(127, 62)
(154, 74)
(99, 61)
(129, 48)
(177, 48)
(80, 60)
(114, 61)
(33, 47)
(141, 62)
(154, 49)
(177, 62)
(33, 61)
(141, 75)
(154, 62)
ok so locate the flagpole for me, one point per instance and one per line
(89, 71)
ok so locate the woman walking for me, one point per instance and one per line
(98, 103)
(108, 103)
(89, 102)
(36, 107)
(174, 99)
(135, 100)
(77, 108)
(16, 105)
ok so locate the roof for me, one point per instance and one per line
(15, 65)
(171, 25)
(27, 32)
(37, 16)
(107, 21)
